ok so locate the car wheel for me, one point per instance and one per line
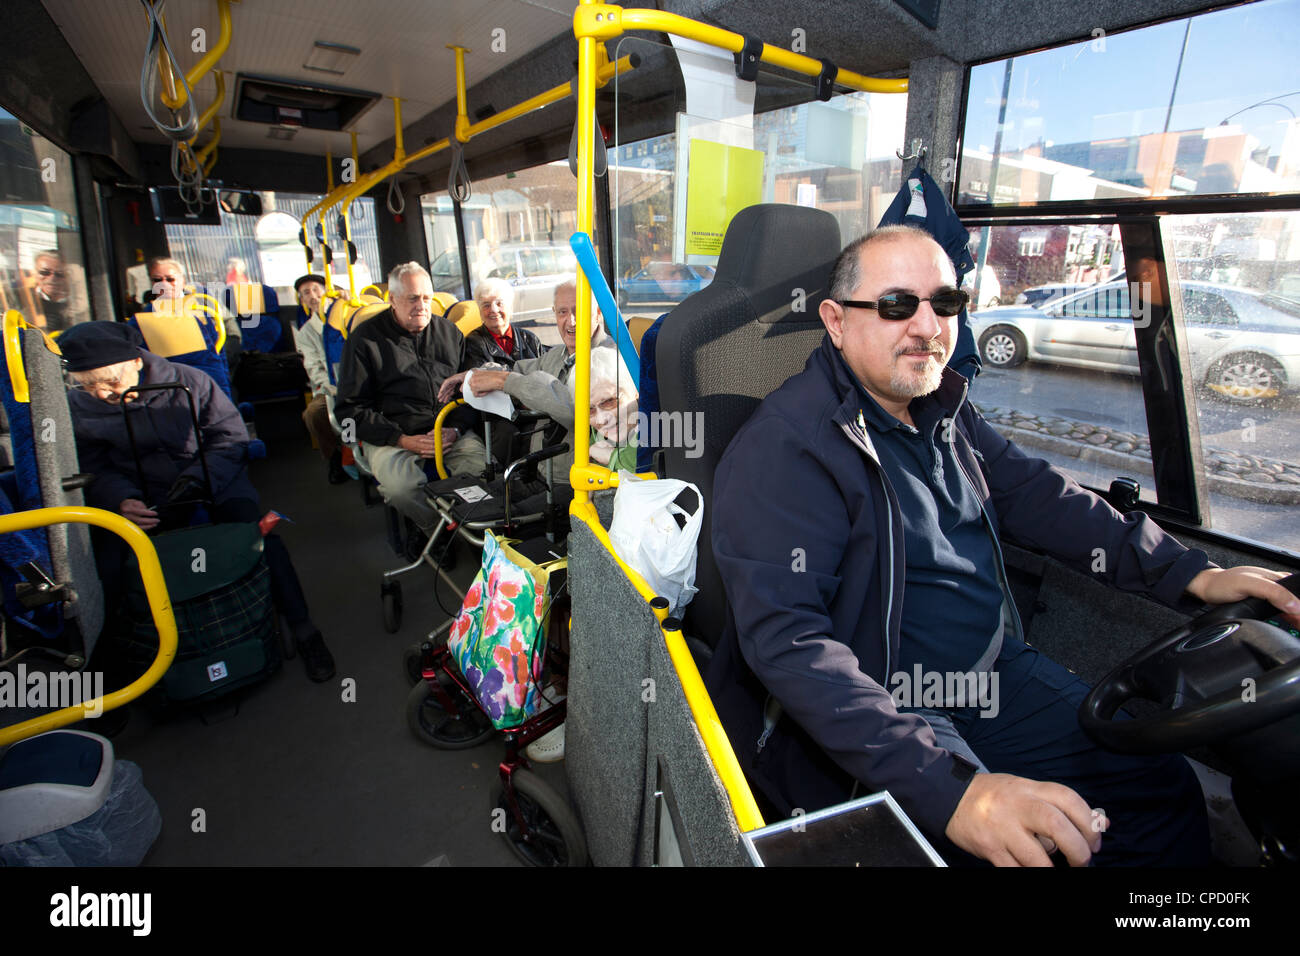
(1002, 347)
(1246, 378)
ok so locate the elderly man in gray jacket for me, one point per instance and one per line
(543, 384)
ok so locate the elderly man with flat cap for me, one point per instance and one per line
(106, 361)
(309, 338)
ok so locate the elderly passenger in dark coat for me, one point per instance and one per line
(162, 490)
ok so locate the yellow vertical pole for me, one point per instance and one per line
(320, 219)
(586, 218)
(347, 210)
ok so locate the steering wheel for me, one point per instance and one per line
(1224, 673)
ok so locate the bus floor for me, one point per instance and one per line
(323, 774)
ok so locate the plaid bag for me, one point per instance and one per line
(498, 639)
(225, 619)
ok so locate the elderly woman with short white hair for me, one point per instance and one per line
(496, 341)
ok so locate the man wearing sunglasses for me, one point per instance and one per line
(54, 296)
(856, 526)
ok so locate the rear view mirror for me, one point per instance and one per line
(240, 204)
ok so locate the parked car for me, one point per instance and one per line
(1243, 345)
(1041, 295)
(663, 283)
(534, 270)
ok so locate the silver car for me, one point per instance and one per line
(1244, 345)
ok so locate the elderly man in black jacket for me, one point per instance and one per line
(392, 368)
(106, 362)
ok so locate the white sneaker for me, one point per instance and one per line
(548, 748)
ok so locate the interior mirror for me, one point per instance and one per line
(240, 204)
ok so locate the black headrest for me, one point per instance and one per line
(772, 249)
(728, 346)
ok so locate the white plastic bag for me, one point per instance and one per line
(647, 537)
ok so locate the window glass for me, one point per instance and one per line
(838, 156)
(517, 228)
(266, 249)
(1145, 113)
(1238, 275)
(1060, 374)
(42, 271)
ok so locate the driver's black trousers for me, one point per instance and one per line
(1154, 803)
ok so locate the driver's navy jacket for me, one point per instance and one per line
(809, 541)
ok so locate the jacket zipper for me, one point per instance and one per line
(997, 545)
(889, 601)
(771, 706)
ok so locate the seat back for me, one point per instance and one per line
(726, 347)
(442, 301)
(465, 316)
(257, 307)
(367, 311)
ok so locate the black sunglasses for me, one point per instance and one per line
(903, 305)
(46, 273)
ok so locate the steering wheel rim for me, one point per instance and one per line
(1219, 638)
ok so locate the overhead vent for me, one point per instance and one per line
(261, 99)
(281, 132)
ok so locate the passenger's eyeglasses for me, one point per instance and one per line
(46, 273)
(903, 305)
(171, 279)
(607, 405)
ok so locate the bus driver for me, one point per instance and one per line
(888, 489)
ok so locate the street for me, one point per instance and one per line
(1113, 400)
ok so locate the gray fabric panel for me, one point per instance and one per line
(708, 827)
(56, 459)
(606, 722)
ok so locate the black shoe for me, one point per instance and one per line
(336, 473)
(316, 657)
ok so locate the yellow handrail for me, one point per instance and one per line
(465, 130)
(603, 21)
(177, 98)
(155, 589)
(210, 113)
(437, 435)
(14, 355)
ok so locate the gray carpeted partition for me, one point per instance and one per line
(620, 727)
(56, 459)
(708, 830)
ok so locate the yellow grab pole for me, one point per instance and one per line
(211, 111)
(462, 109)
(174, 98)
(155, 589)
(586, 216)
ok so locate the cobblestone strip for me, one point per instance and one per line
(1251, 477)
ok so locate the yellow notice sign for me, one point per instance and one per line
(723, 180)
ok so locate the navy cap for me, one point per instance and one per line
(309, 277)
(96, 344)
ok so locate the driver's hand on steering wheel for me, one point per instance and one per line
(1013, 821)
(1226, 585)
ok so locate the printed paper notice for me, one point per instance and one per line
(723, 180)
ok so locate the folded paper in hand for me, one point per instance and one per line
(494, 403)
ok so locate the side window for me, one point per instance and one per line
(41, 271)
(1206, 308)
(529, 263)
